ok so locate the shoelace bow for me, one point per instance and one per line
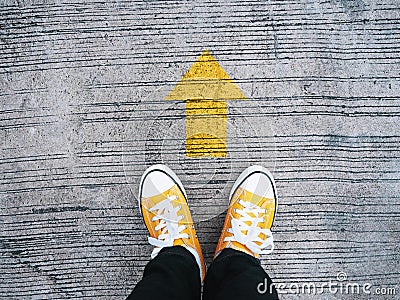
(169, 219)
(246, 231)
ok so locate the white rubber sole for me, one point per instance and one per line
(164, 169)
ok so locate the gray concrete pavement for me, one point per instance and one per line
(83, 113)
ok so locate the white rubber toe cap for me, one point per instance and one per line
(156, 183)
(156, 180)
(257, 180)
(259, 184)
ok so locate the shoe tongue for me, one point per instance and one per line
(260, 201)
(153, 200)
(251, 197)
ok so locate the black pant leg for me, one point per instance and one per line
(235, 275)
(172, 275)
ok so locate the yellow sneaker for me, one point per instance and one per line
(165, 211)
(250, 215)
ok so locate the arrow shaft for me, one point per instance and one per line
(206, 126)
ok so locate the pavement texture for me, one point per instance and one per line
(83, 113)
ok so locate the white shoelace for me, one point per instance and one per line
(169, 225)
(248, 235)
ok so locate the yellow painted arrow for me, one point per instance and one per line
(206, 87)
